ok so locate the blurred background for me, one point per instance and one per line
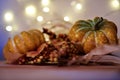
(19, 15)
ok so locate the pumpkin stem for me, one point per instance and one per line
(97, 24)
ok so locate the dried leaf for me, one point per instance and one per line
(100, 51)
(32, 54)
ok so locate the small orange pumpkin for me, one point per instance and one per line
(22, 43)
(93, 33)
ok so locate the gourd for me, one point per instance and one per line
(22, 43)
(93, 33)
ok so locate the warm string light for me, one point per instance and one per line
(8, 16)
(13, 27)
(39, 18)
(9, 28)
(31, 11)
(66, 18)
(46, 9)
(45, 2)
(115, 4)
(77, 5)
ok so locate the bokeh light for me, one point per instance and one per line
(66, 18)
(45, 2)
(8, 16)
(115, 4)
(9, 28)
(78, 6)
(30, 10)
(46, 9)
(39, 18)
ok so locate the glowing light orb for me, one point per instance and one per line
(78, 6)
(30, 10)
(66, 18)
(9, 28)
(8, 16)
(115, 4)
(40, 18)
(45, 2)
(46, 9)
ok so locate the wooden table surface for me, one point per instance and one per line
(33, 72)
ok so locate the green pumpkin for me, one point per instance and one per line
(93, 33)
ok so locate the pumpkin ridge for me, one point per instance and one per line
(20, 44)
(89, 43)
(15, 47)
(20, 36)
(96, 41)
(81, 25)
(83, 22)
(91, 23)
(105, 36)
(85, 36)
(10, 45)
(35, 33)
(41, 37)
(82, 28)
(28, 40)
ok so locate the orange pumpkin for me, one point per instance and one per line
(22, 43)
(93, 33)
